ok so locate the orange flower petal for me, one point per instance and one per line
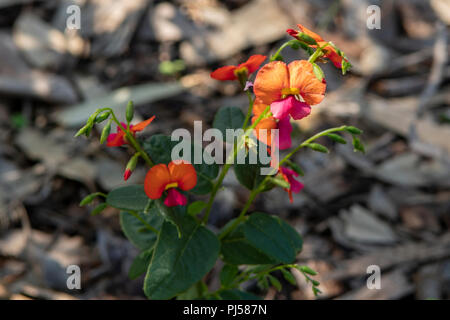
(302, 77)
(258, 107)
(183, 173)
(141, 125)
(156, 180)
(224, 73)
(313, 35)
(253, 63)
(265, 124)
(270, 80)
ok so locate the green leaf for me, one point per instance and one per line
(294, 44)
(318, 147)
(261, 239)
(318, 72)
(98, 209)
(197, 291)
(178, 263)
(337, 138)
(263, 282)
(274, 281)
(280, 182)
(259, 268)
(316, 291)
(89, 198)
(140, 264)
(353, 130)
(307, 270)
(272, 236)
(306, 38)
(228, 274)
(357, 145)
(131, 197)
(196, 208)
(236, 249)
(135, 230)
(228, 118)
(289, 277)
(236, 294)
(345, 66)
(159, 147)
(249, 175)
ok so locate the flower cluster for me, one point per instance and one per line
(171, 234)
(288, 89)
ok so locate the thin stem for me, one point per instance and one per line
(277, 53)
(250, 109)
(228, 164)
(309, 140)
(241, 216)
(317, 53)
(257, 190)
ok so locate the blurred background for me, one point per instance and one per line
(389, 207)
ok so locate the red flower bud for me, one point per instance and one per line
(127, 174)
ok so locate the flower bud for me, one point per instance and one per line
(127, 174)
(105, 132)
(130, 111)
(131, 165)
(318, 147)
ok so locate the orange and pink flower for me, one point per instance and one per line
(178, 174)
(330, 52)
(232, 72)
(294, 185)
(118, 139)
(290, 90)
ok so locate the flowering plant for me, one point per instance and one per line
(177, 248)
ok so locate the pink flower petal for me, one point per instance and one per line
(281, 108)
(299, 109)
(296, 186)
(175, 198)
(289, 172)
(285, 129)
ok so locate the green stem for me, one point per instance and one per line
(257, 190)
(228, 164)
(309, 140)
(317, 53)
(250, 109)
(277, 53)
(241, 216)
